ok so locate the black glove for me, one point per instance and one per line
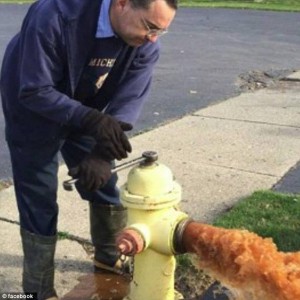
(108, 132)
(93, 172)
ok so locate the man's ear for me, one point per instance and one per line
(121, 4)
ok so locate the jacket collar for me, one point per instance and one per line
(80, 19)
(72, 9)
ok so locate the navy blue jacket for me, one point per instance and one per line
(42, 66)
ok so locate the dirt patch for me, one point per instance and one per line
(189, 280)
(258, 79)
(4, 184)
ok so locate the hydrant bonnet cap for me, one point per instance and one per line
(153, 180)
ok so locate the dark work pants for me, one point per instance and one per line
(35, 168)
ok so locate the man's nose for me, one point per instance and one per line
(152, 38)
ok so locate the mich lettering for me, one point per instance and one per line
(102, 62)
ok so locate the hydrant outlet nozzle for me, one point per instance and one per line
(178, 244)
(130, 242)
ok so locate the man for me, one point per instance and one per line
(72, 81)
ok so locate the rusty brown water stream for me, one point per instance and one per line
(249, 265)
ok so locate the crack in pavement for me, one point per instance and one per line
(246, 121)
(241, 170)
(71, 237)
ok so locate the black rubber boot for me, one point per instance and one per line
(38, 265)
(106, 222)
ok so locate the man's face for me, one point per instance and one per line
(137, 26)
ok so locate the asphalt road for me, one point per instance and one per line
(202, 56)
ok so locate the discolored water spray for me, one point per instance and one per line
(249, 265)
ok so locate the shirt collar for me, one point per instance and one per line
(104, 28)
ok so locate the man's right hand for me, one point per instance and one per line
(109, 132)
(93, 172)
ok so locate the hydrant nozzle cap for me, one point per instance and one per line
(130, 242)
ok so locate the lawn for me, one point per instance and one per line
(268, 214)
(284, 5)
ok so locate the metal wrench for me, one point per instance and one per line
(148, 157)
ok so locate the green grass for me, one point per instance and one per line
(268, 214)
(16, 2)
(63, 235)
(283, 5)
(277, 5)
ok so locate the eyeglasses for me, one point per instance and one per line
(153, 31)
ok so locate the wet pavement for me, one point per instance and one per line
(99, 287)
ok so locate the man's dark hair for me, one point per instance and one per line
(146, 3)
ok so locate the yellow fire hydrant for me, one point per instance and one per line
(151, 195)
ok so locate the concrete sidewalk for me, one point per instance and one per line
(218, 155)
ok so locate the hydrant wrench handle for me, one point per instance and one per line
(147, 157)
